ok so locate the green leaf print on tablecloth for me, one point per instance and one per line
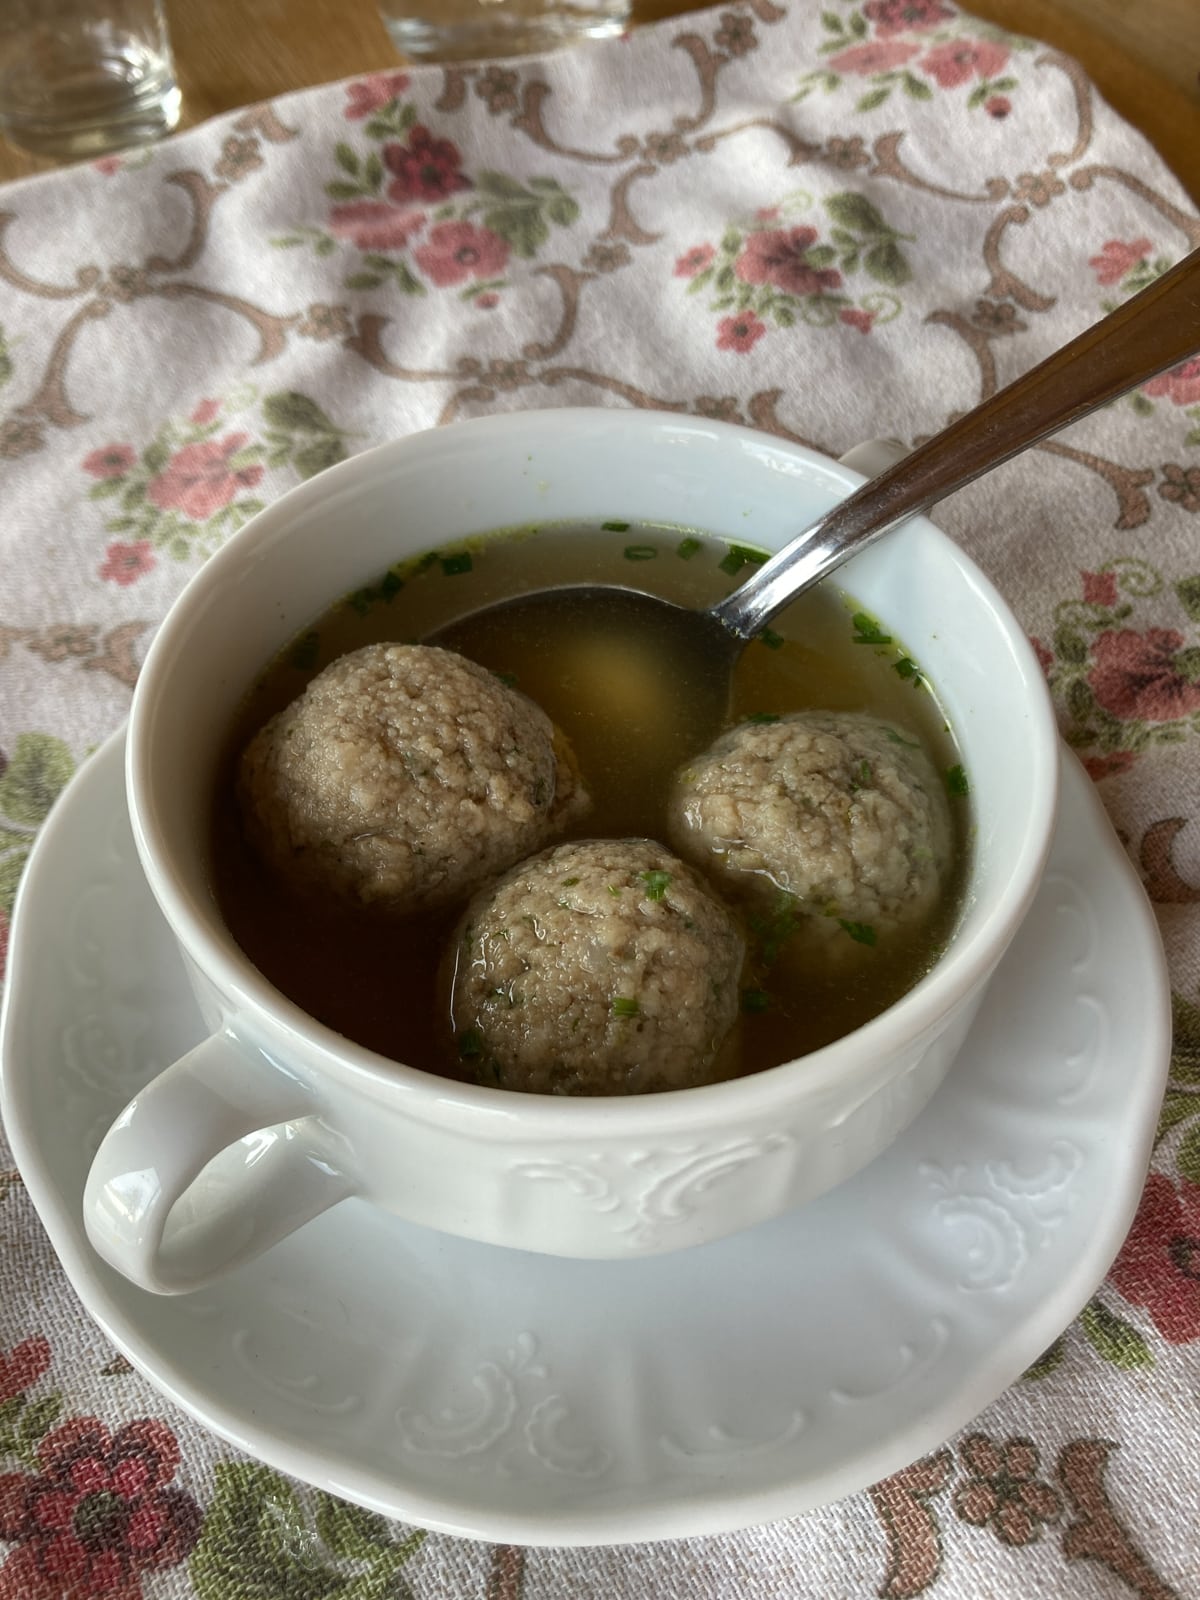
(1113, 1338)
(300, 432)
(32, 780)
(262, 1541)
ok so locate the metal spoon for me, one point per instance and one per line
(1154, 330)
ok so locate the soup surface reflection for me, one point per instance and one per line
(375, 979)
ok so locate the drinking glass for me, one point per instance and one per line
(79, 77)
(466, 30)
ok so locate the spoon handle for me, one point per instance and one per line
(1152, 331)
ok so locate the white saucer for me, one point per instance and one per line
(513, 1397)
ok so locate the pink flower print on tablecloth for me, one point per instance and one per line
(1159, 1264)
(425, 168)
(204, 413)
(186, 488)
(1124, 688)
(959, 60)
(778, 257)
(372, 93)
(100, 1513)
(126, 563)
(904, 16)
(864, 321)
(770, 276)
(375, 224)
(199, 479)
(1137, 676)
(694, 260)
(110, 461)
(1117, 258)
(915, 43)
(740, 333)
(456, 251)
(26, 1362)
(1099, 588)
(400, 175)
(879, 55)
(1098, 767)
(1181, 385)
(1130, 265)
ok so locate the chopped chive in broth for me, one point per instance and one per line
(956, 780)
(867, 629)
(741, 555)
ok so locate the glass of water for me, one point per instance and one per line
(469, 30)
(80, 77)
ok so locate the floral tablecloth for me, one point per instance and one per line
(828, 223)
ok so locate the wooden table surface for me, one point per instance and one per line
(1143, 55)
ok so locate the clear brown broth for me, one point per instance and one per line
(374, 979)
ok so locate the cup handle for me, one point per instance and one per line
(154, 1213)
(874, 456)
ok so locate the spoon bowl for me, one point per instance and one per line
(1152, 331)
(673, 712)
